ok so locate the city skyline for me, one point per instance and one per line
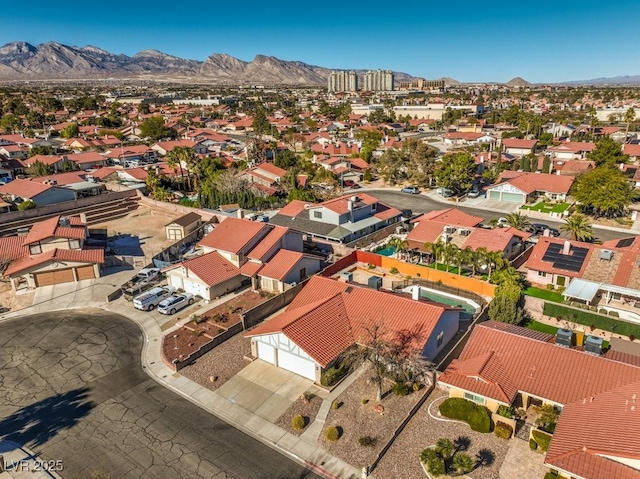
(470, 43)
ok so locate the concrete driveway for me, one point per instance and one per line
(265, 390)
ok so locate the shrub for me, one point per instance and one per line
(533, 445)
(614, 314)
(505, 411)
(332, 433)
(550, 286)
(542, 438)
(473, 414)
(393, 270)
(416, 387)
(335, 404)
(334, 374)
(445, 448)
(462, 462)
(400, 389)
(502, 430)
(366, 441)
(632, 337)
(587, 318)
(550, 475)
(427, 454)
(365, 400)
(436, 467)
(298, 423)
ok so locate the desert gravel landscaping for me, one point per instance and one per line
(307, 409)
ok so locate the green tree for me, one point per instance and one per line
(445, 448)
(398, 244)
(11, 123)
(41, 150)
(161, 194)
(494, 260)
(508, 274)
(27, 205)
(629, 117)
(38, 168)
(456, 172)
(369, 141)
(286, 159)
(462, 462)
(607, 153)
(603, 192)
(518, 221)
(505, 306)
(546, 139)
(152, 182)
(260, 125)
(577, 225)
(437, 250)
(70, 131)
(546, 164)
(183, 157)
(391, 166)
(155, 129)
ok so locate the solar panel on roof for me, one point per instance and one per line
(570, 262)
(625, 242)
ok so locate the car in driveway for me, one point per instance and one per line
(175, 303)
(473, 194)
(412, 190)
(149, 300)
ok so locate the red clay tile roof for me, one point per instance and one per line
(24, 188)
(45, 159)
(270, 168)
(211, 268)
(517, 143)
(250, 268)
(536, 263)
(340, 205)
(233, 234)
(49, 228)
(74, 255)
(451, 216)
(86, 157)
(67, 178)
(543, 369)
(600, 424)
(384, 212)
(328, 316)
(11, 248)
(531, 182)
(294, 208)
(631, 149)
(281, 263)
(573, 147)
(268, 242)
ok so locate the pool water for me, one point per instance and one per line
(386, 251)
(470, 310)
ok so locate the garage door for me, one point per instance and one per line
(512, 197)
(266, 352)
(85, 272)
(196, 288)
(54, 277)
(494, 195)
(301, 366)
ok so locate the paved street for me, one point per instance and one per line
(422, 203)
(73, 389)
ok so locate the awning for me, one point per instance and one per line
(634, 293)
(581, 289)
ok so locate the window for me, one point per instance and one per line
(373, 207)
(303, 273)
(317, 214)
(74, 244)
(234, 257)
(440, 338)
(542, 274)
(35, 249)
(476, 399)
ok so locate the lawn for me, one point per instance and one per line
(588, 318)
(543, 294)
(547, 207)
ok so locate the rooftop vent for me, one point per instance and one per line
(593, 345)
(449, 229)
(64, 221)
(465, 232)
(606, 254)
(564, 337)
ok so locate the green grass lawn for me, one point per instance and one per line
(547, 207)
(543, 294)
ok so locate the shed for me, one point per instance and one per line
(183, 226)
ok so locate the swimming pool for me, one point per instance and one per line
(449, 301)
(386, 251)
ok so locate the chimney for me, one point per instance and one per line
(621, 166)
(350, 208)
(240, 213)
(566, 247)
(415, 293)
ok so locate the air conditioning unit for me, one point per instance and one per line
(606, 254)
(346, 276)
(449, 229)
(465, 232)
(564, 337)
(593, 345)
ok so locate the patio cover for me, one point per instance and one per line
(582, 289)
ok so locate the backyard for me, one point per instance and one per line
(546, 294)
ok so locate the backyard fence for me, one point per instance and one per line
(258, 314)
(205, 348)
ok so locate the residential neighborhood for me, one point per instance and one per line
(376, 279)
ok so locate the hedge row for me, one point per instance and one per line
(473, 414)
(587, 318)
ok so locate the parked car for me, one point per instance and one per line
(538, 228)
(446, 192)
(502, 221)
(473, 194)
(150, 299)
(175, 303)
(348, 183)
(554, 232)
(412, 190)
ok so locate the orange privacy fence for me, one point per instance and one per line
(477, 286)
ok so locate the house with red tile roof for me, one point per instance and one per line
(265, 174)
(597, 434)
(571, 150)
(245, 248)
(572, 167)
(523, 187)
(165, 147)
(466, 138)
(329, 316)
(633, 150)
(88, 160)
(42, 194)
(517, 147)
(52, 252)
(340, 220)
(54, 162)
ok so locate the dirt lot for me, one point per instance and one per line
(10, 301)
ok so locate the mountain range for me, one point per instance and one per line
(54, 61)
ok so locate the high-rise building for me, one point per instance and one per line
(379, 80)
(342, 81)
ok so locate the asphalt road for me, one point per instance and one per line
(423, 204)
(72, 388)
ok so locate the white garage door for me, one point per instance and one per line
(512, 197)
(494, 195)
(266, 352)
(195, 288)
(296, 364)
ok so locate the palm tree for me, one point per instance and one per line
(449, 254)
(398, 244)
(445, 447)
(464, 257)
(477, 258)
(495, 260)
(463, 463)
(437, 250)
(629, 116)
(578, 226)
(182, 155)
(518, 221)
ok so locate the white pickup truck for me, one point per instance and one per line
(150, 299)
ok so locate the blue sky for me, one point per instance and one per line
(540, 41)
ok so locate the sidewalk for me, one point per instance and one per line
(19, 462)
(304, 450)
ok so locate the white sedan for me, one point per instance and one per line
(175, 303)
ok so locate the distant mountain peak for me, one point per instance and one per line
(518, 82)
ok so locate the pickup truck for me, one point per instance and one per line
(150, 299)
(142, 281)
(175, 303)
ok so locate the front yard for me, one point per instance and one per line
(543, 207)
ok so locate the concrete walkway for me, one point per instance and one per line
(246, 417)
(522, 463)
